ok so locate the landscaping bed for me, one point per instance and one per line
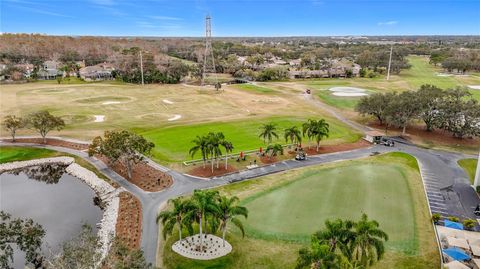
(199, 171)
(312, 150)
(143, 175)
(52, 142)
(129, 220)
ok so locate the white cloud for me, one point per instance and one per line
(388, 23)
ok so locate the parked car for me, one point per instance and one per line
(387, 142)
(301, 156)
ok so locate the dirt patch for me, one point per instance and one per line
(129, 220)
(418, 134)
(312, 150)
(143, 175)
(52, 142)
(266, 160)
(199, 171)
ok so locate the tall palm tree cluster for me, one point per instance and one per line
(312, 129)
(207, 210)
(210, 147)
(344, 244)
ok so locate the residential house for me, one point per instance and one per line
(101, 71)
(27, 69)
(49, 70)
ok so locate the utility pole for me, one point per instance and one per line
(208, 51)
(477, 174)
(389, 63)
(141, 66)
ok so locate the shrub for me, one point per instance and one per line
(478, 189)
(469, 224)
(436, 217)
(452, 218)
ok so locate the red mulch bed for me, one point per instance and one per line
(417, 132)
(312, 150)
(52, 142)
(129, 220)
(266, 160)
(199, 171)
(143, 175)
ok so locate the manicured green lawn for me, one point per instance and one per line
(285, 208)
(422, 72)
(10, 154)
(338, 101)
(254, 88)
(286, 212)
(470, 166)
(173, 143)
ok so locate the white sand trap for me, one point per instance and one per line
(475, 87)
(99, 118)
(176, 117)
(111, 102)
(348, 91)
(167, 101)
(443, 75)
(213, 247)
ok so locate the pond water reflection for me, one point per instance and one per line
(56, 200)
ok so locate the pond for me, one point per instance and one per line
(56, 200)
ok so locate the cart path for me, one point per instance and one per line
(439, 170)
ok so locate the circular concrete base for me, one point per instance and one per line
(212, 247)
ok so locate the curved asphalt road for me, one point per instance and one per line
(446, 183)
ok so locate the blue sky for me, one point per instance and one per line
(240, 17)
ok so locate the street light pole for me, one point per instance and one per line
(477, 174)
(141, 66)
(389, 62)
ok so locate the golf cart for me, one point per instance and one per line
(387, 142)
(301, 156)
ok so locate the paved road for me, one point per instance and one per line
(446, 183)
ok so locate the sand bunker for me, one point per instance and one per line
(443, 75)
(99, 118)
(348, 91)
(111, 102)
(475, 87)
(176, 117)
(167, 101)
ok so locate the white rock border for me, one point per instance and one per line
(105, 191)
(214, 247)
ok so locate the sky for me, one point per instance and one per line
(241, 17)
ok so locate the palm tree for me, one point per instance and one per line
(228, 149)
(202, 203)
(368, 245)
(318, 256)
(214, 141)
(338, 234)
(174, 217)
(293, 134)
(268, 132)
(228, 212)
(274, 150)
(316, 130)
(201, 144)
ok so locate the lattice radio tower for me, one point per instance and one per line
(208, 52)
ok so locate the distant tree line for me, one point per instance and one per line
(459, 60)
(452, 110)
